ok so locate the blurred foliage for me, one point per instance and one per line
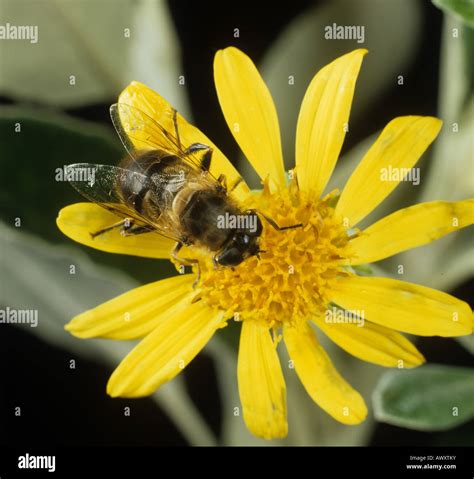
(462, 9)
(429, 398)
(103, 44)
(34, 145)
(424, 398)
(467, 342)
(28, 187)
(301, 39)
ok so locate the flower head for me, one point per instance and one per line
(305, 276)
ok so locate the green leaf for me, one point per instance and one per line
(35, 145)
(430, 398)
(462, 9)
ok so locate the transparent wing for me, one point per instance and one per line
(98, 183)
(134, 127)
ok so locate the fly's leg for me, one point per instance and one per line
(206, 157)
(135, 230)
(175, 123)
(274, 224)
(186, 261)
(126, 226)
(237, 183)
(120, 224)
(222, 180)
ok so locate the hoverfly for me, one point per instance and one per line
(168, 189)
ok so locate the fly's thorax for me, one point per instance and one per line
(200, 215)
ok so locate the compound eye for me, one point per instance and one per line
(230, 257)
(243, 239)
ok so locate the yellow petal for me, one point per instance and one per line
(145, 99)
(320, 378)
(323, 119)
(408, 228)
(165, 352)
(249, 112)
(404, 306)
(135, 313)
(373, 343)
(79, 220)
(261, 383)
(400, 145)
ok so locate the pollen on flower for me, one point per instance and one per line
(291, 279)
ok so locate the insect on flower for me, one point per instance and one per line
(303, 273)
(168, 189)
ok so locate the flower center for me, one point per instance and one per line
(291, 279)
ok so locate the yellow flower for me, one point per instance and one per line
(304, 272)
